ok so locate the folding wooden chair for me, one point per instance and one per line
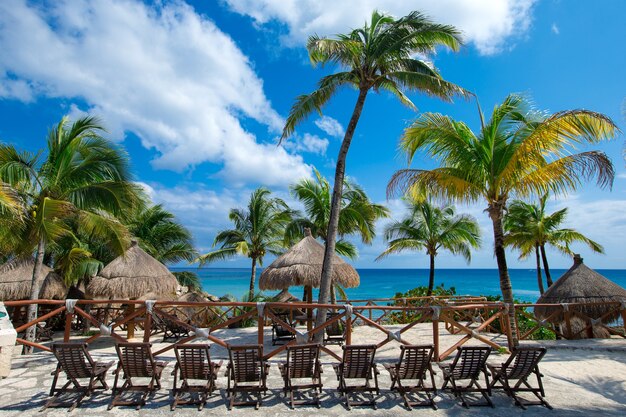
(172, 331)
(302, 363)
(334, 333)
(135, 361)
(523, 363)
(279, 332)
(358, 363)
(74, 359)
(414, 364)
(469, 364)
(193, 363)
(247, 373)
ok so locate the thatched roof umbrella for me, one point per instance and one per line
(16, 281)
(302, 266)
(133, 276)
(581, 284)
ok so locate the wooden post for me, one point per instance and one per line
(590, 329)
(130, 326)
(507, 326)
(568, 324)
(436, 339)
(348, 328)
(260, 327)
(623, 311)
(147, 327)
(404, 304)
(309, 310)
(68, 326)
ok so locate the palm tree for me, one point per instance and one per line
(382, 55)
(518, 152)
(82, 178)
(189, 279)
(529, 228)
(358, 214)
(159, 234)
(259, 229)
(432, 228)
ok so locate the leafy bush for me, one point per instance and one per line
(409, 316)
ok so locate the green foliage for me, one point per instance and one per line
(401, 299)
(358, 214)
(240, 311)
(159, 234)
(189, 279)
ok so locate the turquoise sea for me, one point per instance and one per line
(385, 283)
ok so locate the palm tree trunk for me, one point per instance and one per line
(35, 287)
(496, 213)
(539, 278)
(431, 276)
(252, 278)
(335, 207)
(333, 294)
(546, 268)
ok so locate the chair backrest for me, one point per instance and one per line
(136, 359)
(246, 362)
(523, 361)
(336, 328)
(414, 361)
(194, 361)
(303, 360)
(278, 327)
(358, 361)
(74, 359)
(470, 361)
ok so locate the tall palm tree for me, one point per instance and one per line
(358, 214)
(432, 228)
(82, 177)
(529, 228)
(161, 235)
(259, 229)
(519, 152)
(382, 55)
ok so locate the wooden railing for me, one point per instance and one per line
(468, 318)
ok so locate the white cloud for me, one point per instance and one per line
(487, 24)
(162, 72)
(555, 29)
(307, 143)
(330, 126)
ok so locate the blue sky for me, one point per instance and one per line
(197, 92)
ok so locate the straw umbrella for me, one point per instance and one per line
(133, 276)
(581, 284)
(302, 266)
(16, 280)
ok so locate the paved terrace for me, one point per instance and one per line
(581, 377)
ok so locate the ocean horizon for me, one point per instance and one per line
(385, 283)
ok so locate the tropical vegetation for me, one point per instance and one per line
(258, 230)
(430, 228)
(82, 179)
(529, 228)
(385, 54)
(518, 152)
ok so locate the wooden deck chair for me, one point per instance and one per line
(172, 331)
(247, 373)
(334, 333)
(302, 363)
(415, 364)
(279, 332)
(358, 363)
(135, 362)
(76, 362)
(193, 363)
(469, 364)
(512, 375)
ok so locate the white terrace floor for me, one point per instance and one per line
(581, 378)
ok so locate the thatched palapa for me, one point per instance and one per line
(581, 284)
(16, 281)
(133, 276)
(302, 266)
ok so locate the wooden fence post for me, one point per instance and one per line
(147, 327)
(261, 322)
(69, 315)
(348, 326)
(436, 332)
(130, 326)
